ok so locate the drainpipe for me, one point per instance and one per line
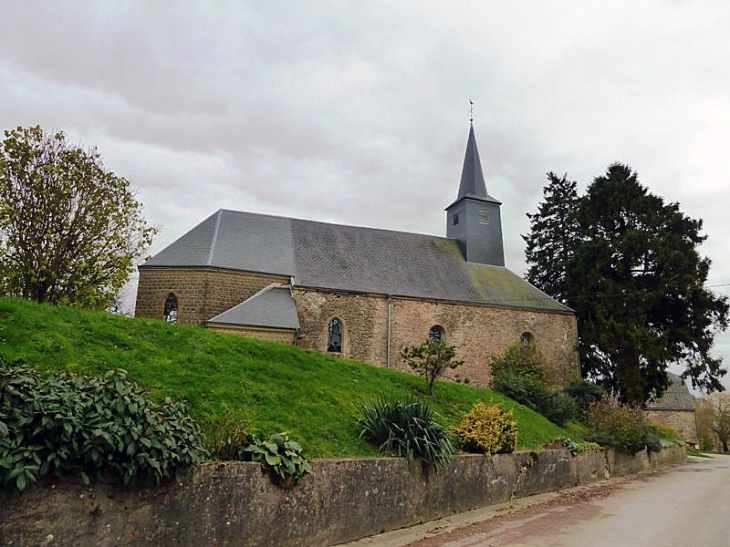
(390, 314)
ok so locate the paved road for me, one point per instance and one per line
(681, 506)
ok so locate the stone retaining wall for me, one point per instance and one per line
(235, 504)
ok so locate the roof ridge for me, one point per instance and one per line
(214, 241)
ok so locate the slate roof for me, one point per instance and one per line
(272, 307)
(676, 397)
(348, 258)
(472, 183)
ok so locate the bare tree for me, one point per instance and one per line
(721, 420)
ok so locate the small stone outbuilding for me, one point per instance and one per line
(675, 408)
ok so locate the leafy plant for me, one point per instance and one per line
(431, 360)
(71, 229)
(522, 359)
(664, 431)
(487, 430)
(555, 406)
(89, 426)
(585, 393)
(405, 428)
(623, 427)
(281, 457)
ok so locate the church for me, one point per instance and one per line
(363, 293)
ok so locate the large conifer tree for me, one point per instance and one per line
(635, 277)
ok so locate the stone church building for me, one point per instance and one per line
(362, 293)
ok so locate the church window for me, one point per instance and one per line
(334, 336)
(483, 217)
(436, 333)
(526, 338)
(456, 219)
(170, 310)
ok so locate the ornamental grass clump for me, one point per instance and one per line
(405, 428)
(487, 430)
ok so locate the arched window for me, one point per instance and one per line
(436, 333)
(526, 338)
(334, 336)
(170, 311)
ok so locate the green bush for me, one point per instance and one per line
(90, 427)
(706, 444)
(653, 443)
(521, 359)
(281, 457)
(430, 360)
(487, 430)
(585, 393)
(622, 427)
(405, 428)
(664, 431)
(555, 406)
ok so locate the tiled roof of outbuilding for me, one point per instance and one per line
(676, 397)
(348, 258)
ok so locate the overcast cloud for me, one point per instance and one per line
(357, 112)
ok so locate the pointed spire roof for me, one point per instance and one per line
(472, 178)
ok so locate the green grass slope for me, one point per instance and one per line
(272, 387)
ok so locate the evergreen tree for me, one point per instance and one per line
(635, 277)
(553, 237)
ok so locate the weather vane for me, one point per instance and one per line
(471, 110)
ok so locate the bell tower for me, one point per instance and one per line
(474, 219)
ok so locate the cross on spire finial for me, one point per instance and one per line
(471, 110)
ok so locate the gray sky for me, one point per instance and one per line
(357, 112)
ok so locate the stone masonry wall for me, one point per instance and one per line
(201, 293)
(682, 420)
(478, 332)
(280, 336)
(342, 500)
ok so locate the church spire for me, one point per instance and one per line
(472, 177)
(474, 219)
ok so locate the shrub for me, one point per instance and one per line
(622, 427)
(562, 443)
(653, 444)
(89, 426)
(664, 431)
(585, 393)
(405, 429)
(555, 406)
(281, 457)
(706, 444)
(520, 359)
(431, 360)
(487, 430)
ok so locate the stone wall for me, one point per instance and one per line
(683, 421)
(273, 335)
(201, 293)
(477, 331)
(235, 504)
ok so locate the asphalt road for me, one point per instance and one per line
(680, 506)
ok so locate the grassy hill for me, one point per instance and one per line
(271, 387)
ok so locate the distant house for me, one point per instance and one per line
(676, 408)
(360, 292)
